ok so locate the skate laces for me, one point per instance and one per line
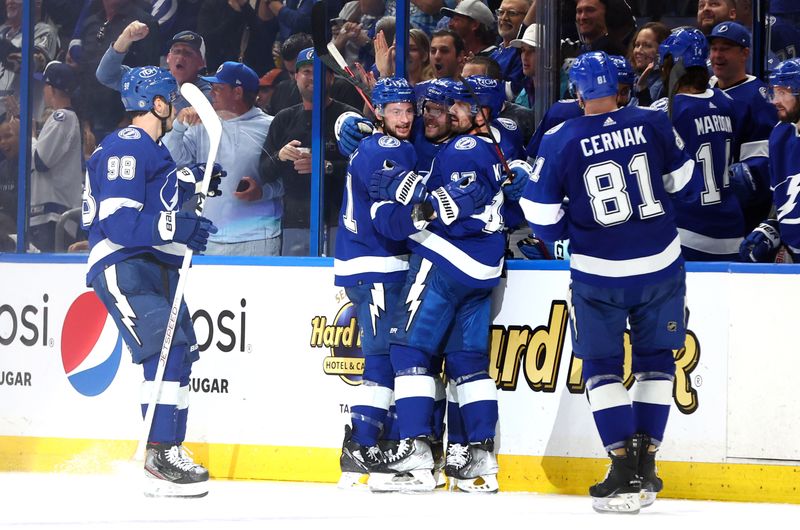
(176, 458)
(403, 448)
(374, 452)
(457, 455)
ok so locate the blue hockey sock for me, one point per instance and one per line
(439, 408)
(165, 419)
(414, 402)
(612, 411)
(391, 428)
(477, 403)
(652, 397)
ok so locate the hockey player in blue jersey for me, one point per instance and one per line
(532, 247)
(372, 269)
(749, 176)
(137, 238)
(618, 168)
(764, 243)
(455, 234)
(712, 226)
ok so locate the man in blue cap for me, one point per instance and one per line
(186, 59)
(249, 212)
(287, 156)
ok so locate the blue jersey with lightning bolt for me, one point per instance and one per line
(559, 112)
(470, 250)
(364, 255)
(712, 225)
(784, 171)
(618, 171)
(130, 180)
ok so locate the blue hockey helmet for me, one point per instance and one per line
(593, 75)
(434, 91)
(392, 90)
(786, 74)
(479, 91)
(686, 45)
(140, 86)
(625, 73)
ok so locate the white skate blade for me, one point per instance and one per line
(647, 498)
(353, 480)
(482, 484)
(628, 503)
(155, 487)
(416, 481)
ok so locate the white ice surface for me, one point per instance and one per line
(54, 501)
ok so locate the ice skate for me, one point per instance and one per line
(355, 461)
(651, 483)
(619, 492)
(170, 472)
(409, 469)
(472, 468)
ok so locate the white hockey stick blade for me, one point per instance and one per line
(213, 127)
(337, 56)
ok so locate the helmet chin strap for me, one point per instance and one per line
(162, 119)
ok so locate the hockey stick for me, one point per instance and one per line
(330, 55)
(503, 161)
(214, 129)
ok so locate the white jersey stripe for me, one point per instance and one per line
(709, 244)
(627, 267)
(109, 206)
(457, 257)
(540, 213)
(366, 264)
(675, 181)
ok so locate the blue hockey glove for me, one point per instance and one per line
(459, 200)
(761, 245)
(534, 248)
(185, 227)
(522, 173)
(742, 182)
(350, 129)
(394, 183)
(191, 177)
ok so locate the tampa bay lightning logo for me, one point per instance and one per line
(508, 124)
(388, 141)
(678, 140)
(555, 129)
(129, 133)
(59, 115)
(466, 143)
(169, 191)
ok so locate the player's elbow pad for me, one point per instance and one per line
(393, 220)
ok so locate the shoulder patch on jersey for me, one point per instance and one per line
(508, 124)
(661, 104)
(763, 91)
(466, 143)
(556, 128)
(59, 115)
(388, 141)
(129, 133)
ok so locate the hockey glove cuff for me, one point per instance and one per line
(459, 200)
(522, 173)
(185, 227)
(742, 182)
(761, 244)
(396, 184)
(350, 128)
(190, 179)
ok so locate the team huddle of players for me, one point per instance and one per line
(428, 197)
(430, 189)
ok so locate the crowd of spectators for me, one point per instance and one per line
(252, 59)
